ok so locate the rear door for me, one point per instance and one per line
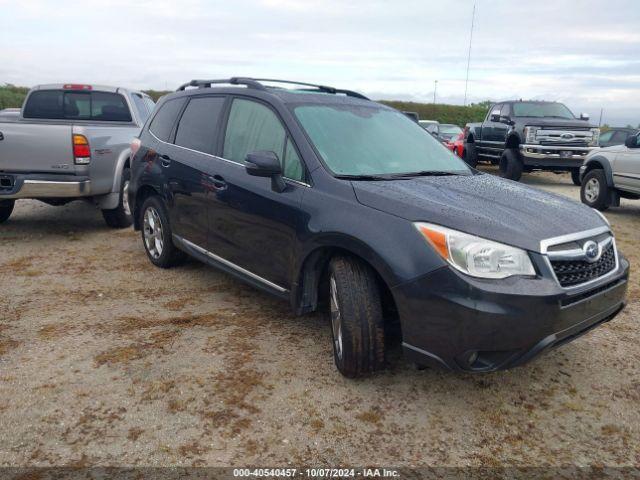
(186, 164)
(251, 226)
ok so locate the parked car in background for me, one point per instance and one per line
(72, 142)
(522, 136)
(289, 190)
(447, 131)
(616, 136)
(610, 173)
(456, 145)
(429, 125)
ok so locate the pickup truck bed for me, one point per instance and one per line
(72, 142)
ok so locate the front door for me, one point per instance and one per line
(252, 226)
(626, 170)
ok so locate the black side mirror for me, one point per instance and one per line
(495, 117)
(266, 164)
(632, 141)
(584, 116)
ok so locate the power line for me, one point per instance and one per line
(466, 83)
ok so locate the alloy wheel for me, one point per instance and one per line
(592, 190)
(153, 233)
(336, 318)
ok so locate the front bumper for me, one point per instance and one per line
(563, 156)
(472, 324)
(45, 186)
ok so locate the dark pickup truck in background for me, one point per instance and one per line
(522, 136)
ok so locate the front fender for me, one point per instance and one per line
(600, 161)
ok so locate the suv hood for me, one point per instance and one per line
(482, 205)
(553, 122)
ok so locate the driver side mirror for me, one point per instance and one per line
(266, 164)
(632, 141)
(584, 116)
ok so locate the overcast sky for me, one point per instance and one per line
(585, 53)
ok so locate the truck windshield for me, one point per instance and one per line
(356, 140)
(533, 109)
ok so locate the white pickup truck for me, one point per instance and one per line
(72, 142)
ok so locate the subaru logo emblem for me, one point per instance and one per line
(591, 251)
(567, 136)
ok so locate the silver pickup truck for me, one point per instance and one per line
(72, 142)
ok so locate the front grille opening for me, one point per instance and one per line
(6, 182)
(575, 272)
(590, 293)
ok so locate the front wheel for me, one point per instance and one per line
(357, 323)
(470, 155)
(575, 176)
(156, 234)
(594, 190)
(120, 217)
(511, 164)
(6, 208)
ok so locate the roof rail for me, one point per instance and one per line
(256, 83)
(249, 82)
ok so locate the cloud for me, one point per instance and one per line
(550, 49)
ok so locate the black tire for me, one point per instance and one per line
(165, 254)
(120, 217)
(470, 155)
(575, 176)
(511, 164)
(358, 325)
(594, 190)
(6, 207)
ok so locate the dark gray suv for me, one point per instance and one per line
(329, 200)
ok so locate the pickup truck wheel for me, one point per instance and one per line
(511, 164)
(594, 191)
(6, 207)
(470, 155)
(120, 217)
(357, 323)
(575, 176)
(156, 234)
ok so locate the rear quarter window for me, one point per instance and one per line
(164, 120)
(71, 105)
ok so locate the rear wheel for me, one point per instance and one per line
(470, 155)
(6, 208)
(156, 234)
(575, 176)
(357, 323)
(594, 191)
(511, 164)
(120, 217)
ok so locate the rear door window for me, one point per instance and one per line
(199, 123)
(70, 105)
(164, 120)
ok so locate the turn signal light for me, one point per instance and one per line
(81, 150)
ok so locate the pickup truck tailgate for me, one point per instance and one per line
(36, 148)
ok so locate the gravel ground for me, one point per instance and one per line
(107, 360)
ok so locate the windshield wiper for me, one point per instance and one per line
(428, 173)
(369, 177)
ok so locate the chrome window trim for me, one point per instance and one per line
(229, 264)
(221, 158)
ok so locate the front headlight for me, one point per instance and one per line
(595, 139)
(476, 256)
(530, 134)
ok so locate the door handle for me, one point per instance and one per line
(165, 160)
(218, 182)
(1, 136)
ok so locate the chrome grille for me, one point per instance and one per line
(556, 136)
(575, 272)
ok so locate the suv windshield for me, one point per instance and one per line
(532, 109)
(370, 140)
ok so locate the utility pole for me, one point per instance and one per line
(435, 89)
(466, 83)
(600, 121)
